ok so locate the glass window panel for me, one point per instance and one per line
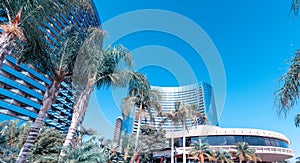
(251, 140)
(188, 142)
(283, 144)
(221, 140)
(272, 142)
(230, 140)
(267, 142)
(204, 139)
(212, 140)
(260, 141)
(238, 139)
(195, 139)
(277, 143)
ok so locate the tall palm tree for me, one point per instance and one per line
(26, 29)
(189, 112)
(97, 68)
(201, 150)
(175, 117)
(245, 153)
(60, 68)
(223, 156)
(142, 97)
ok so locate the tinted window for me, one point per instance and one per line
(232, 140)
(238, 139)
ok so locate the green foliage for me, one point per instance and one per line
(141, 96)
(150, 139)
(183, 112)
(49, 142)
(33, 14)
(13, 137)
(245, 153)
(104, 66)
(82, 152)
(201, 150)
(287, 94)
(223, 156)
(37, 49)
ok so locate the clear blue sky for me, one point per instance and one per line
(254, 38)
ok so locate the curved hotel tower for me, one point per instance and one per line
(22, 87)
(200, 94)
(270, 146)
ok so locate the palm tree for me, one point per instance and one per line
(287, 94)
(60, 68)
(13, 136)
(245, 153)
(223, 156)
(26, 29)
(181, 114)
(187, 112)
(175, 117)
(202, 150)
(142, 97)
(97, 68)
(35, 49)
(83, 152)
(10, 32)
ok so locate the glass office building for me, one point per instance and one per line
(22, 87)
(200, 94)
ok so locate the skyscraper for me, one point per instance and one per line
(22, 87)
(118, 127)
(200, 94)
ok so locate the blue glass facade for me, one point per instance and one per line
(22, 87)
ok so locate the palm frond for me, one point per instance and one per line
(287, 93)
(294, 7)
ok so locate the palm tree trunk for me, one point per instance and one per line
(49, 98)
(137, 135)
(184, 155)
(138, 129)
(79, 110)
(172, 144)
(5, 46)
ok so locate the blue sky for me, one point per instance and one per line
(254, 38)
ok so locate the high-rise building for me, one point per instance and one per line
(200, 94)
(22, 87)
(118, 127)
(270, 146)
